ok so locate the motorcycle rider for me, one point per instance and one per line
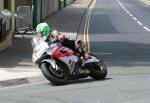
(47, 34)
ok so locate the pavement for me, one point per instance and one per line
(16, 66)
(146, 1)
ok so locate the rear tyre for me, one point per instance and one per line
(56, 77)
(98, 70)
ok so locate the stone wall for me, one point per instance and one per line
(1, 4)
(7, 42)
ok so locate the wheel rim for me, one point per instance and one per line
(58, 73)
(100, 66)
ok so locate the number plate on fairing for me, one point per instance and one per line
(70, 61)
(39, 51)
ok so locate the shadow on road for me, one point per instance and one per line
(83, 81)
(119, 53)
(87, 80)
(102, 24)
(17, 55)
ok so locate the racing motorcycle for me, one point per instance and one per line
(60, 64)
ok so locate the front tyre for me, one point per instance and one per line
(56, 77)
(98, 70)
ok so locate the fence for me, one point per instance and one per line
(24, 18)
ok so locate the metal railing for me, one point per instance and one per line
(24, 18)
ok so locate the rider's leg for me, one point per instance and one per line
(79, 47)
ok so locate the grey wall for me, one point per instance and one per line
(48, 7)
(69, 1)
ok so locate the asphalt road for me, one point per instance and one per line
(119, 33)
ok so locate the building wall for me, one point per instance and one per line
(48, 7)
(56, 5)
(13, 5)
(69, 1)
(45, 6)
(1, 4)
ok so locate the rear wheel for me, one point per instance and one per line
(57, 77)
(98, 70)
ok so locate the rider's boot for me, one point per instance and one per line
(86, 56)
(79, 47)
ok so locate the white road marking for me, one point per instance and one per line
(103, 53)
(139, 23)
(121, 4)
(125, 9)
(133, 17)
(128, 12)
(147, 29)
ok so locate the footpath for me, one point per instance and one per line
(146, 1)
(16, 66)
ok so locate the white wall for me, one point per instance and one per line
(69, 1)
(56, 5)
(48, 7)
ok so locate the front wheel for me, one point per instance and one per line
(98, 70)
(59, 77)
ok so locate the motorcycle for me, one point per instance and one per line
(60, 64)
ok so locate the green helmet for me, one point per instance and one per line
(43, 27)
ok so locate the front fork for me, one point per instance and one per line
(52, 62)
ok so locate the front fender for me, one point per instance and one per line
(92, 59)
(52, 62)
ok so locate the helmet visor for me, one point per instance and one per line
(40, 34)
